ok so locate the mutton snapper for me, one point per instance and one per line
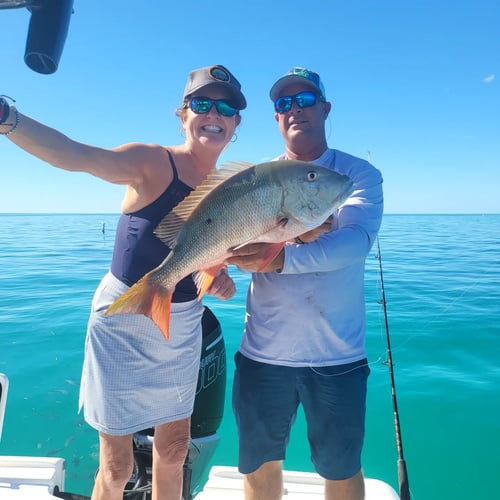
(271, 202)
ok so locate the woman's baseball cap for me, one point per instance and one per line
(216, 76)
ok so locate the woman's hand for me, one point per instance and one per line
(223, 286)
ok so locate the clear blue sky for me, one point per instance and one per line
(416, 84)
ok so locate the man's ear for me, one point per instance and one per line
(328, 108)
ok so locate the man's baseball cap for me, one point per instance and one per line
(216, 76)
(297, 75)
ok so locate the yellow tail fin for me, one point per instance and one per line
(145, 297)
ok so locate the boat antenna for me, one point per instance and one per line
(404, 487)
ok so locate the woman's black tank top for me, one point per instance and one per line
(137, 250)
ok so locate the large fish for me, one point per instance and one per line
(238, 204)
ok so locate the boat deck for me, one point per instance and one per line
(226, 483)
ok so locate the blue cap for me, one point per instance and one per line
(297, 75)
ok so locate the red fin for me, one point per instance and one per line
(205, 278)
(272, 250)
(161, 313)
(145, 297)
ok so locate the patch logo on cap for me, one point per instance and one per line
(303, 72)
(219, 74)
(310, 75)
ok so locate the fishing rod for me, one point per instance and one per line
(404, 487)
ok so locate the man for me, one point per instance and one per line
(304, 340)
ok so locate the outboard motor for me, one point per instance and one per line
(206, 419)
(47, 34)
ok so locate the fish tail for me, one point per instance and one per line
(148, 298)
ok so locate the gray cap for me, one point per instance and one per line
(297, 75)
(216, 76)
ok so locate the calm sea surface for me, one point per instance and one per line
(442, 285)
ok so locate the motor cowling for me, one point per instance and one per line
(210, 391)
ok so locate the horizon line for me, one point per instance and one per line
(119, 213)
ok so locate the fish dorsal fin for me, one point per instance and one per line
(168, 229)
(236, 166)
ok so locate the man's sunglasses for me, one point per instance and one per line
(302, 99)
(202, 105)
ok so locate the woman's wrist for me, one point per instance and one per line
(11, 121)
(4, 110)
(9, 116)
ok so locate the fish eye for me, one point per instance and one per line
(312, 175)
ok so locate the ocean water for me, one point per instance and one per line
(442, 286)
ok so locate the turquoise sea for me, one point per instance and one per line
(442, 285)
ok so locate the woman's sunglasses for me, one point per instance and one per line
(302, 99)
(202, 105)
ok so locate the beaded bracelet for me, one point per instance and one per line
(14, 125)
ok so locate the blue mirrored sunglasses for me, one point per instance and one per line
(302, 99)
(202, 105)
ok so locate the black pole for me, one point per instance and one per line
(404, 487)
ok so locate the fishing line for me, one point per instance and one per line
(404, 487)
(315, 368)
(436, 317)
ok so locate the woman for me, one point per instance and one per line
(132, 378)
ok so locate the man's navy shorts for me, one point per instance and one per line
(265, 402)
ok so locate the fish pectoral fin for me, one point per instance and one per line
(203, 279)
(145, 297)
(270, 253)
